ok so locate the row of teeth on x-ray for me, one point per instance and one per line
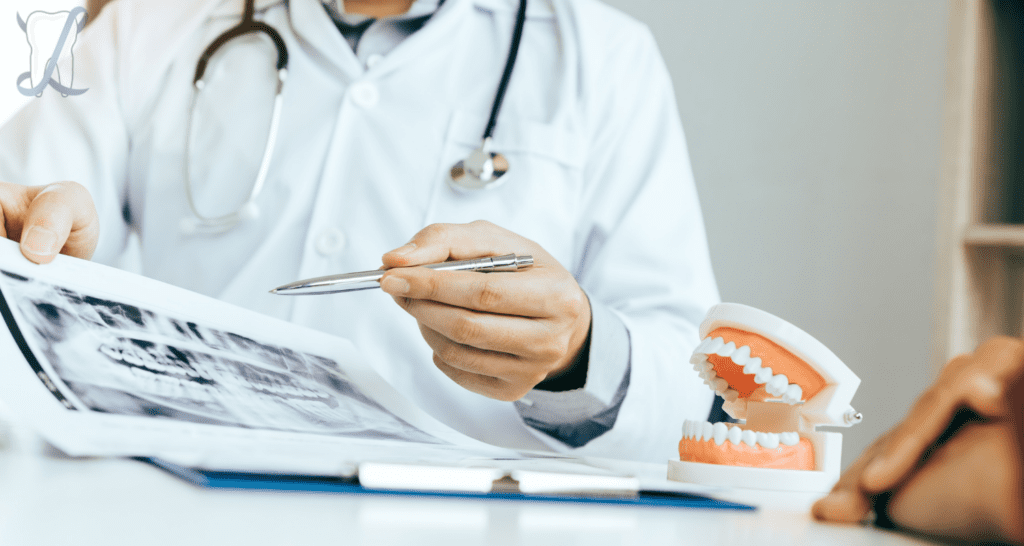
(172, 378)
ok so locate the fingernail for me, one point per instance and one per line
(40, 241)
(394, 285)
(404, 249)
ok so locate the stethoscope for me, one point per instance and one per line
(483, 168)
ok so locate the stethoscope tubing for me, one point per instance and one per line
(506, 76)
(248, 25)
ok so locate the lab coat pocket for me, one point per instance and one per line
(540, 197)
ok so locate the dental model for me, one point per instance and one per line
(782, 384)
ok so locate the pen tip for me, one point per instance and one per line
(274, 291)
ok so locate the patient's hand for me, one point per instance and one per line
(51, 219)
(963, 481)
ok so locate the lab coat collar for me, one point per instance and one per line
(313, 25)
(535, 9)
(419, 8)
(233, 8)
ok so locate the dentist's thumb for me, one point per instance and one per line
(60, 219)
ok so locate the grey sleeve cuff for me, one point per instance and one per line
(578, 416)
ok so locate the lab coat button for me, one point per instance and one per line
(372, 60)
(365, 94)
(330, 241)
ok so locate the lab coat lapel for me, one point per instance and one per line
(431, 39)
(317, 33)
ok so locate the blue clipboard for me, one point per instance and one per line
(219, 479)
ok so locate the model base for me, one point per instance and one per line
(752, 478)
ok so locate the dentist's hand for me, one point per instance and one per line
(496, 334)
(51, 219)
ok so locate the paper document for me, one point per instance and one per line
(104, 362)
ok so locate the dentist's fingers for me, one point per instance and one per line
(498, 334)
(60, 218)
(441, 242)
(493, 374)
(529, 293)
(490, 387)
(531, 339)
(978, 382)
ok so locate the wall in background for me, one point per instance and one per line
(814, 130)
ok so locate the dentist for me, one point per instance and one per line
(585, 352)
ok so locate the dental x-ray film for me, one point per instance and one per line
(103, 362)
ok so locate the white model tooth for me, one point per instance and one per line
(752, 366)
(794, 393)
(43, 31)
(714, 346)
(777, 385)
(719, 385)
(730, 395)
(749, 437)
(720, 432)
(763, 376)
(707, 431)
(704, 366)
(726, 350)
(697, 358)
(703, 346)
(769, 440)
(735, 433)
(686, 428)
(789, 438)
(741, 356)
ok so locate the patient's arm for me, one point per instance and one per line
(953, 467)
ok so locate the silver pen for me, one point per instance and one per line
(365, 280)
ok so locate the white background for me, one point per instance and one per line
(814, 129)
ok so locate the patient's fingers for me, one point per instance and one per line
(978, 382)
(927, 420)
(848, 503)
(843, 506)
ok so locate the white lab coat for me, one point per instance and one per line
(600, 177)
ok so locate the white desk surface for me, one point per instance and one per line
(47, 499)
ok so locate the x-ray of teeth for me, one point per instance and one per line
(120, 359)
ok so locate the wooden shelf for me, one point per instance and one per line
(994, 235)
(980, 277)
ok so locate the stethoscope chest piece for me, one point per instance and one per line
(483, 169)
